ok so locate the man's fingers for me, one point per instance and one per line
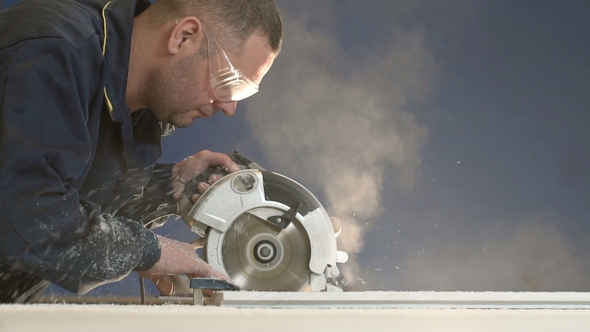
(162, 282)
(212, 274)
(178, 188)
(192, 166)
(195, 197)
(216, 159)
(202, 187)
(213, 178)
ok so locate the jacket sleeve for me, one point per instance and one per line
(157, 192)
(46, 228)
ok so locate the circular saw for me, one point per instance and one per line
(265, 231)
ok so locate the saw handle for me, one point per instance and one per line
(190, 188)
(185, 204)
(243, 162)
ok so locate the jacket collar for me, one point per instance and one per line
(117, 26)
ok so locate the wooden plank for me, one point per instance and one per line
(405, 300)
(181, 318)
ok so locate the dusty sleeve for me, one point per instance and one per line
(46, 227)
(157, 192)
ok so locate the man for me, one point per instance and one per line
(87, 89)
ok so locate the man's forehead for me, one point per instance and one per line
(256, 57)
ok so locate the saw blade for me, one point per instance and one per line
(258, 255)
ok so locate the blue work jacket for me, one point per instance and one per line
(71, 152)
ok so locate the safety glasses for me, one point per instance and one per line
(229, 84)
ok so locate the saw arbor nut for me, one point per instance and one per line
(265, 251)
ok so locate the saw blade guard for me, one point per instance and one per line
(267, 232)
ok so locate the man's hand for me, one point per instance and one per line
(192, 166)
(178, 258)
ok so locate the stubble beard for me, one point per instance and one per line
(165, 90)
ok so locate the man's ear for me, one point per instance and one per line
(184, 34)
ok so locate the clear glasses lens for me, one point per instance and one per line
(234, 90)
(229, 84)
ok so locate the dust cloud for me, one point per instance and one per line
(341, 126)
(531, 255)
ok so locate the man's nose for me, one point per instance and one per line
(228, 108)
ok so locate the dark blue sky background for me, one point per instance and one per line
(466, 122)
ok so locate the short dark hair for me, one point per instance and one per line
(232, 21)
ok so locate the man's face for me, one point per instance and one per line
(181, 91)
